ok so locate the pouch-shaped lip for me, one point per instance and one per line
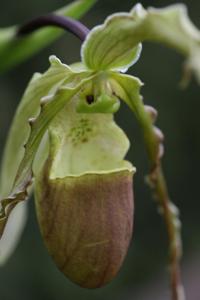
(86, 222)
(84, 196)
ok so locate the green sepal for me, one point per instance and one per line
(110, 46)
(172, 27)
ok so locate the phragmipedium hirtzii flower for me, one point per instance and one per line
(74, 153)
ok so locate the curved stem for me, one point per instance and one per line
(14, 50)
(71, 25)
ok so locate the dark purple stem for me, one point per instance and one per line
(71, 25)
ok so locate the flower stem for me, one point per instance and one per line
(153, 138)
(16, 50)
(71, 25)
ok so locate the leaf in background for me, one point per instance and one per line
(15, 50)
(13, 232)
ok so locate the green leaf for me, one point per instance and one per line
(15, 50)
(111, 46)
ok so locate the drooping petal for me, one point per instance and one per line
(40, 85)
(49, 107)
(128, 88)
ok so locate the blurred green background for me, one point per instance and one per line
(30, 273)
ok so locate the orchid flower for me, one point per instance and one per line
(65, 145)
